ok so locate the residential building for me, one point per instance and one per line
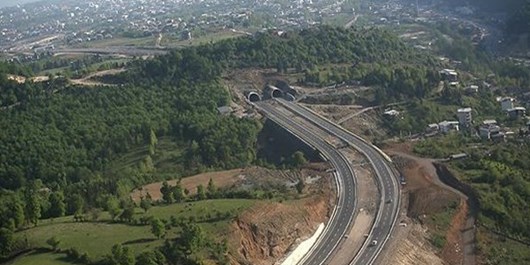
(516, 112)
(488, 131)
(507, 103)
(489, 122)
(449, 75)
(447, 126)
(464, 117)
(472, 89)
(433, 127)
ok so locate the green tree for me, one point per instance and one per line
(145, 204)
(153, 141)
(201, 193)
(127, 213)
(151, 258)
(11, 210)
(53, 242)
(158, 228)
(113, 207)
(76, 204)
(178, 193)
(33, 207)
(121, 255)
(6, 241)
(148, 163)
(167, 193)
(211, 189)
(57, 205)
(298, 159)
(300, 185)
(192, 238)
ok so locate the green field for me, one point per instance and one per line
(97, 238)
(42, 258)
(167, 159)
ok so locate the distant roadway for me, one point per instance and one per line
(123, 50)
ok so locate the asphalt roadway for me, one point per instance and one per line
(341, 220)
(387, 182)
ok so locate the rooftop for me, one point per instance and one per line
(517, 109)
(448, 72)
(464, 110)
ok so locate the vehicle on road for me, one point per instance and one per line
(374, 243)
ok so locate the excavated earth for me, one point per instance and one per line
(266, 233)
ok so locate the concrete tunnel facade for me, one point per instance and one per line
(275, 92)
(253, 97)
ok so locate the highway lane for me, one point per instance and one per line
(341, 220)
(387, 181)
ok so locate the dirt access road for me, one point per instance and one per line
(423, 195)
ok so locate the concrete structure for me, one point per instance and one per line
(449, 75)
(253, 96)
(489, 122)
(506, 103)
(472, 89)
(433, 127)
(224, 110)
(488, 131)
(274, 92)
(516, 112)
(464, 117)
(391, 112)
(457, 156)
(447, 126)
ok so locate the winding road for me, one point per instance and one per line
(345, 210)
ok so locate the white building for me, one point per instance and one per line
(487, 131)
(447, 126)
(516, 112)
(449, 75)
(507, 103)
(489, 122)
(391, 112)
(464, 117)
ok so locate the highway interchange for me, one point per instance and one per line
(341, 219)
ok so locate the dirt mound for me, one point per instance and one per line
(247, 177)
(264, 234)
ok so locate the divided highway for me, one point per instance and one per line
(387, 182)
(345, 209)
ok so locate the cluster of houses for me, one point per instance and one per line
(488, 129)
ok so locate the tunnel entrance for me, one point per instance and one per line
(276, 93)
(253, 97)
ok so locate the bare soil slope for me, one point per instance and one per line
(266, 233)
(424, 196)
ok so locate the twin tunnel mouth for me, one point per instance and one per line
(254, 97)
(274, 93)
